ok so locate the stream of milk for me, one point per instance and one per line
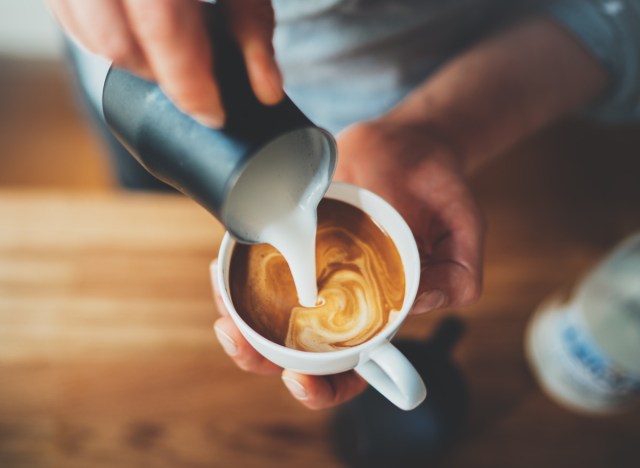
(294, 236)
(275, 201)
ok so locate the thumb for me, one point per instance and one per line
(252, 23)
(446, 284)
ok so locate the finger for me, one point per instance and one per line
(239, 349)
(452, 272)
(102, 27)
(217, 296)
(252, 23)
(446, 284)
(64, 14)
(343, 171)
(319, 392)
(172, 36)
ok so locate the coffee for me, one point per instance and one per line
(360, 279)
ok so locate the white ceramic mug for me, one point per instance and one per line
(376, 360)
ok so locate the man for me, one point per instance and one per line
(421, 93)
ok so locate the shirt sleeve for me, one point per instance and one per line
(610, 30)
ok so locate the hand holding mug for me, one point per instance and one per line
(368, 274)
(418, 172)
(421, 178)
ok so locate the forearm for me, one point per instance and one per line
(503, 89)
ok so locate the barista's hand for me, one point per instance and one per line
(166, 41)
(421, 177)
(312, 391)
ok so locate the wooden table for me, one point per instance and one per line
(107, 356)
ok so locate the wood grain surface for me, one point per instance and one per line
(107, 355)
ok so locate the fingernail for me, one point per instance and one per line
(269, 79)
(145, 74)
(429, 301)
(219, 303)
(226, 342)
(209, 120)
(275, 83)
(296, 388)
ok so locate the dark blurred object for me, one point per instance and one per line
(369, 431)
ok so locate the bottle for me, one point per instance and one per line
(585, 353)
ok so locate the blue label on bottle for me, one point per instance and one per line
(590, 367)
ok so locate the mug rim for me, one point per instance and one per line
(411, 288)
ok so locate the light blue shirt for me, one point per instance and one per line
(346, 61)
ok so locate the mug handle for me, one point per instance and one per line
(390, 372)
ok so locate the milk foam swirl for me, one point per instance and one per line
(360, 281)
(356, 297)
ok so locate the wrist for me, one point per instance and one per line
(419, 131)
(503, 89)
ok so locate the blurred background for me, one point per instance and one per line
(36, 91)
(107, 357)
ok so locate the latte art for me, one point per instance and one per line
(357, 297)
(360, 282)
